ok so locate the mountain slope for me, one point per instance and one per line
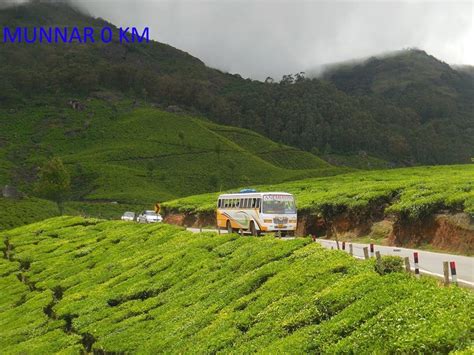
(117, 150)
(310, 114)
(75, 285)
(441, 96)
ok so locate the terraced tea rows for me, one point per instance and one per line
(411, 192)
(15, 213)
(71, 284)
(116, 151)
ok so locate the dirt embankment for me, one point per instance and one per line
(448, 231)
(195, 220)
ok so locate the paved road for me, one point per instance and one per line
(429, 262)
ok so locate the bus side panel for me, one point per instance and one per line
(238, 218)
(234, 219)
(221, 219)
(223, 215)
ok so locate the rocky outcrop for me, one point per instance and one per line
(11, 192)
(76, 105)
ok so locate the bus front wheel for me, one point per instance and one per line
(253, 229)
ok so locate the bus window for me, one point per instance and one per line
(219, 203)
(237, 203)
(226, 203)
(246, 203)
(258, 203)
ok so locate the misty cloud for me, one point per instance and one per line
(271, 38)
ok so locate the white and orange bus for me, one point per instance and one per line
(257, 212)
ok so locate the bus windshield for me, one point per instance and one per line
(278, 204)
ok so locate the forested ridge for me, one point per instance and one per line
(409, 108)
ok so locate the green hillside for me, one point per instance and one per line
(74, 285)
(116, 150)
(442, 97)
(407, 109)
(412, 193)
(14, 213)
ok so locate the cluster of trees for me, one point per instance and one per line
(54, 182)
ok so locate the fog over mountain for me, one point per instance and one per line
(270, 38)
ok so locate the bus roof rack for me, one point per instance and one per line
(246, 191)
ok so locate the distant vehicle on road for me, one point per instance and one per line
(128, 216)
(257, 212)
(149, 217)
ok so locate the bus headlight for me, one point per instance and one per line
(267, 221)
(293, 220)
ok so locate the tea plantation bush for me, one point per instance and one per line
(14, 213)
(388, 264)
(71, 285)
(138, 154)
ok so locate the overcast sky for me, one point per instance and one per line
(263, 38)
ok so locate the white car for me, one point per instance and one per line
(149, 217)
(128, 216)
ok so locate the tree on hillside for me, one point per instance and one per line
(181, 136)
(214, 182)
(300, 76)
(287, 79)
(218, 150)
(54, 182)
(150, 169)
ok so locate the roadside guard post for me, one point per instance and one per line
(343, 245)
(371, 249)
(379, 258)
(454, 276)
(407, 264)
(351, 251)
(417, 268)
(366, 253)
(446, 273)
